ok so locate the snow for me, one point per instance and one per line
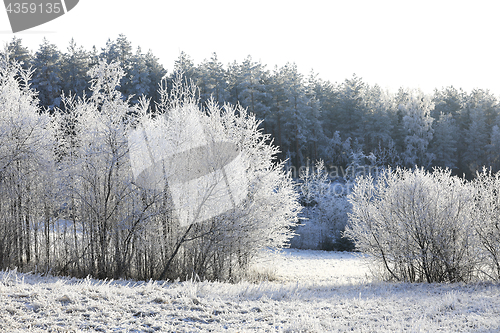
(293, 265)
(306, 291)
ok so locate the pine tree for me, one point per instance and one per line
(138, 83)
(352, 108)
(444, 141)
(184, 66)
(338, 152)
(19, 53)
(378, 125)
(47, 76)
(316, 136)
(250, 87)
(156, 73)
(493, 149)
(212, 81)
(277, 91)
(74, 67)
(119, 51)
(447, 101)
(476, 139)
(399, 132)
(295, 108)
(417, 123)
(327, 95)
(476, 119)
(234, 77)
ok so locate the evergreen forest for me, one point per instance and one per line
(341, 123)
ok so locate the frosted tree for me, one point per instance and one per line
(47, 76)
(357, 162)
(19, 53)
(212, 80)
(476, 139)
(74, 67)
(119, 50)
(493, 148)
(487, 221)
(352, 108)
(156, 73)
(219, 216)
(324, 213)
(386, 156)
(98, 178)
(139, 82)
(417, 124)
(292, 108)
(444, 142)
(251, 88)
(26, 171)
(379, 106)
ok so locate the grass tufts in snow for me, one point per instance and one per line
(314, 291)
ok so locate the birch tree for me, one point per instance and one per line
(26, 171)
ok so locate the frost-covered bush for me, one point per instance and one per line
(324, 213)
(221, 247)
(417, 225)
(487, 221)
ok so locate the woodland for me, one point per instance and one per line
(309, 118)
(71, 206)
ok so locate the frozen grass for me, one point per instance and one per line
(307, 291)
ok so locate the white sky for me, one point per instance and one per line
(420, 44)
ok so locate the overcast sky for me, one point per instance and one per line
(420, 44)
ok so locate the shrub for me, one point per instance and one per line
(417, 225)
(487, 222)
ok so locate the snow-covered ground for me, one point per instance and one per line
(308, 291)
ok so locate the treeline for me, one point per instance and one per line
(344, 123)
(57, 72)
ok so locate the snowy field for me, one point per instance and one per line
(307, 291)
